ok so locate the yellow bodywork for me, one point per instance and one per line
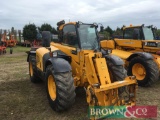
(61, 27)
(122, 54)
(131, 26)
(39, 56)
(90, 70)
(129, 43)
(136, 44)
(108, 44)
(125, 48)
(87, 73)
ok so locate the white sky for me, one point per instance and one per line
(113, 13)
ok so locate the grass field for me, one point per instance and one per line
(21, 99)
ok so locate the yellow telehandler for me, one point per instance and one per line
(140, 51)
(76, 61)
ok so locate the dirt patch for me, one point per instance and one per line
(23, 100)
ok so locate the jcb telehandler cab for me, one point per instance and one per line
(76, 60)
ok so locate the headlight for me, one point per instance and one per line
(109, 51)
(53, 54)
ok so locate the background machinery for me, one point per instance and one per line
(76, 61)
(9, 40)
(140, 51)
(2, 48)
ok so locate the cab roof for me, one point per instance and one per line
(71, 23)
(131, 26)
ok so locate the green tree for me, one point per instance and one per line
(54, 31)
(46, 27)
(158, 32)
(118, 32)
(30, 32)
(109, 30)
(104, 35)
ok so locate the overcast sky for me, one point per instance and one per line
(111, 13)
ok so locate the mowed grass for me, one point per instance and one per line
(21, 99)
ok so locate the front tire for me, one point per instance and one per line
(60, 89)
(146, 71)
(117, 72)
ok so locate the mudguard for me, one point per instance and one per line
(30, 53)
(145, 55)
(59, 64)
(115, 59)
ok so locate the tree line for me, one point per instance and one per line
(109, 33)
(31, 31)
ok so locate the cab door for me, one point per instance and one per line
(70, 46)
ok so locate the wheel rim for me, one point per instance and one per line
(51, 87)
(30, 69)
(139, 71)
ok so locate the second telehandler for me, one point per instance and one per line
(140, 51)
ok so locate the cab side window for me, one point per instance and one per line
(128, 34)
(136, 34)
(70, 36)
(132, 34)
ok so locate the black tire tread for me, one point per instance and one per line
(65, 90)
(34, 78)
(118, 71)
(152, 71)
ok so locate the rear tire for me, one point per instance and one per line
(32, 70)
(150, 74)
(62, 97)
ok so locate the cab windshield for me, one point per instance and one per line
(88, 37)
(148, 33)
